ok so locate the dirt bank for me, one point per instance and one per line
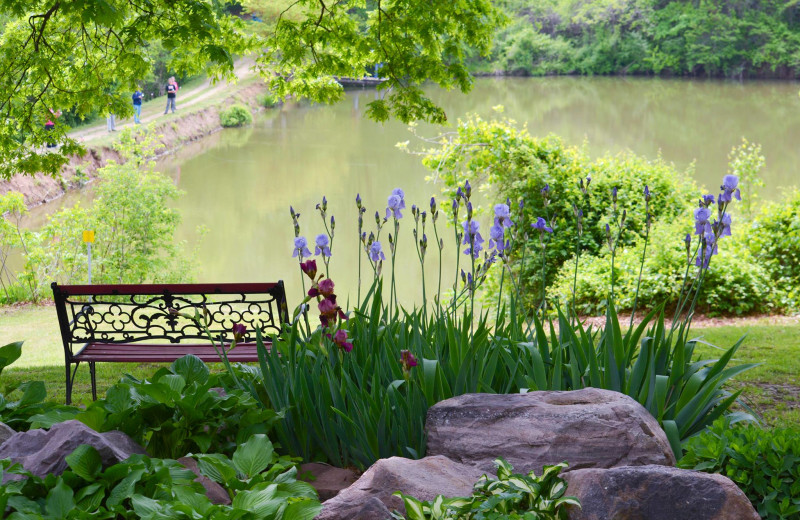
(175, 131)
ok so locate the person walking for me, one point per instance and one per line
(137, 106)
(172, 90)
(110, 120)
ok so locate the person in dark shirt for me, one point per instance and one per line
(172, 90)
(137, 106)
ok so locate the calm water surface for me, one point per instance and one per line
(239, 183)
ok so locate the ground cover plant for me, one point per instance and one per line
(261, 484)
(357, 387)
(765, 464)
(510, 495)
(235, 115)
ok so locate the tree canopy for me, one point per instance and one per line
(86, 56)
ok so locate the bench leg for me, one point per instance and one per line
(94, 380)
(69, 385)
(71, 380)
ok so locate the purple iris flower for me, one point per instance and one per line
(646, 193)
(541, 225)
(729, 187)
(472, 238)
(545, 191)
(301, 247)
(501, 215)
(375, 252)
(707, 200)
(710, 249)
(496, 236)
(726, 225)
(323, 246)
(395, 203)
(701, 224)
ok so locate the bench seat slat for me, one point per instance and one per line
(133, 352)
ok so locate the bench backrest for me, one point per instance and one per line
(133, 313)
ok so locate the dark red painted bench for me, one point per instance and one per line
(148, 323)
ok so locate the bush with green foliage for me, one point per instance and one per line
(261, 484)
(711, 38)
(235, 115)
(736, 283)
(510, 496)
(511, 164)
(774, 241)
(133, 220)
(765, 464)
(268, 100)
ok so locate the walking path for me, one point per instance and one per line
(154, 109)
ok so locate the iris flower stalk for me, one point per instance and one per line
(644, 252)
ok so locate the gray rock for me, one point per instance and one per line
(587, 428)
(656, 493)
(326, 479)
(5, 432)
(422, 479)
(214, 491)
(42, 452)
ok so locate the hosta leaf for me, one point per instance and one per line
(253, 457)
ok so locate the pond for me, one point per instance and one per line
(240, 183)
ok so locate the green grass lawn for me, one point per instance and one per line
(771, 389)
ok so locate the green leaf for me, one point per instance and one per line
(304, 510)
(253, 457)
(59, 501)
(191, 368)
(9, 353)
(85, 462)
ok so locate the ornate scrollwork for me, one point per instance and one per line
(125, 319)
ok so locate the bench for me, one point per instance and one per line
(148, 323)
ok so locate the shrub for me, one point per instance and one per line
(735, 283)
(235, 115)
(268, 100)
(765, 464)
(510, 496)
(514, 165)
(133, 220)
(774, 241)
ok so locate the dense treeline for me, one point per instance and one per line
(718, 38)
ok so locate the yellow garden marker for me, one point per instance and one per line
(88, 238)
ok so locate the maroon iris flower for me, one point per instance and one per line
(326, 287)
(310, 268)
(239, 330)
(407, 360)
(340, 338)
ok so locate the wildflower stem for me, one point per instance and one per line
(575, 276)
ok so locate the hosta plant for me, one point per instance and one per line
(509, 496)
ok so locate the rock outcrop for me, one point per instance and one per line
(423, 479)
(43, 452)
(326, 479)
(656, 493)
(587, 428)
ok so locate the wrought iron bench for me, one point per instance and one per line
(149, 323)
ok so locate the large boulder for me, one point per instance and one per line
(422, 479)
(42, 452)
(656, 493)
(587, 428)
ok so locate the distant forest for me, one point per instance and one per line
(705, 38)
